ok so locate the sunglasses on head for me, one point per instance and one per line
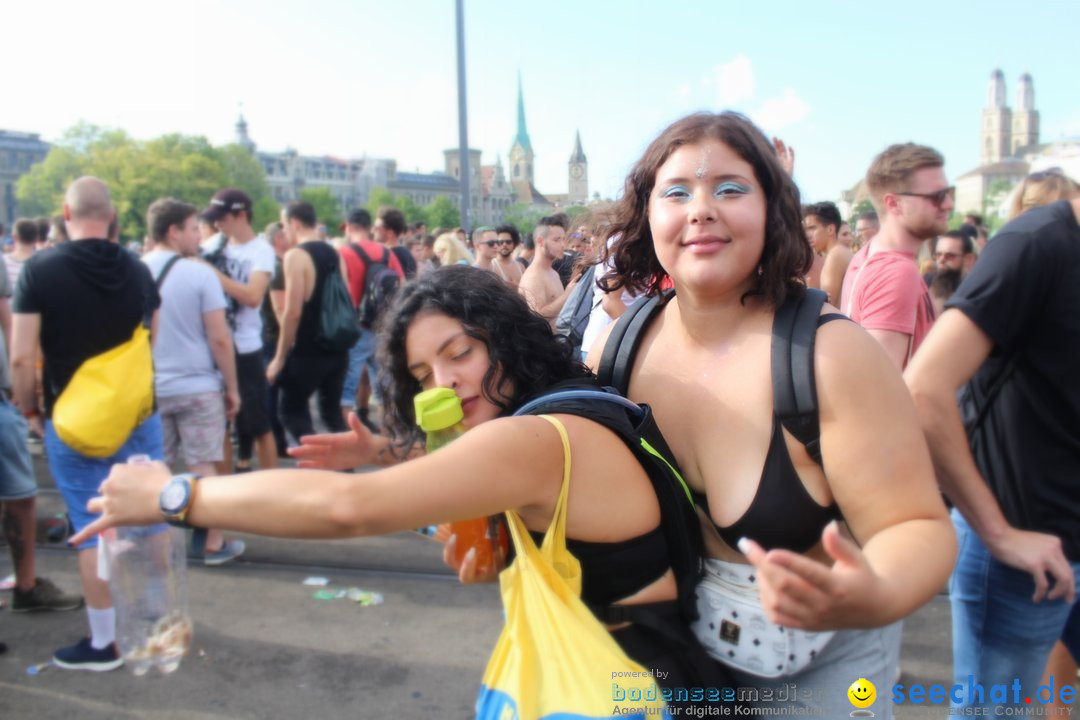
(1045, 174)
(937, 197)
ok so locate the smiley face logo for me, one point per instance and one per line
(862, 693)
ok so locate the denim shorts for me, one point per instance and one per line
(78, 477)
(16, 468)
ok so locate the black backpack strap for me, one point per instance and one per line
(363, 255)
(165, 271)
(637, 429)
(794, 386)
(617, 360)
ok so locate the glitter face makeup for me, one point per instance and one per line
(703, 167)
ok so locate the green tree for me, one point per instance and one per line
(442, 212)
(183, 167)
(523, 217)
(264, 211)
(327, 207)
(380, 197)
(862, 206)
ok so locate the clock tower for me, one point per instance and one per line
(579, 175)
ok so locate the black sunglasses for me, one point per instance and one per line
(1045, 174)
(489, 243)
(504, 242)
(935, 197)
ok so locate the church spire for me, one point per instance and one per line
(522, 137)
(578, 156)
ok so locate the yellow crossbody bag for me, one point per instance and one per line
(109, 395)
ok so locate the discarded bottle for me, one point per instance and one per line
(439, 414)
(147, 572)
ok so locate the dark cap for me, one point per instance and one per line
(229, 200)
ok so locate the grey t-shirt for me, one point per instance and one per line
(183, 363)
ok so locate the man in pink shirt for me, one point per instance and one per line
(883, 291)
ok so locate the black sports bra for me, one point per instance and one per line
(782, 513)
(616, 570)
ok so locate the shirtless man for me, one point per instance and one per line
(485, 245)
(540, 284)
(821, 221)
(508, 267)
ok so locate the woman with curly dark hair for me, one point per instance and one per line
(462, 328)
(857, 540)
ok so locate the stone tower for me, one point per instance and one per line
(521, 154)
(997, 122)
(579, 174)
(1025, 119)
(242, 137)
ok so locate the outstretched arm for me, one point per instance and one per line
(467, 479)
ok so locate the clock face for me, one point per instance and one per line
(576, 172)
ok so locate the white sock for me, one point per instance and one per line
(102, 627)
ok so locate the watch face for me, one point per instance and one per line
(575, 172)
(173, 496)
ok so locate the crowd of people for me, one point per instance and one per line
(837, 535)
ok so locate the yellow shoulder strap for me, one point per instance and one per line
(555, 537)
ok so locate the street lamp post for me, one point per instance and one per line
(463, 125)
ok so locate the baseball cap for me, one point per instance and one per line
(228, 200)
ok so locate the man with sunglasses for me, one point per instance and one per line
(955, 250)
(508, 266)
(883, 291)
(486, 246)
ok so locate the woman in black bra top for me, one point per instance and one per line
(710, 206)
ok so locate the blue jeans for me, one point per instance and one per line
(999, 634)
(78, 477)
(361, 357)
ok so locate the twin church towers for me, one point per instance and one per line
(1007, 132)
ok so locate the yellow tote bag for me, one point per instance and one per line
(554, 660)
(108, 397)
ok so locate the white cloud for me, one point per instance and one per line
(732, 82)
(777, 113)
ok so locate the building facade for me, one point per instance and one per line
(491, 188)
(18, 152)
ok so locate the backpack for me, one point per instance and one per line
(574, 316)
(793, 333)
(635, 426)
(337, 329)
(217, 259)
(381, 283)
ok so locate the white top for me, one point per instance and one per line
(242, 261)
(183, 363)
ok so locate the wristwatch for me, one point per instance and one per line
(176, 498)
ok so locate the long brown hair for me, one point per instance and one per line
(786, 257)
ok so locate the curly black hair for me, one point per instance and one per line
(787, 256)
(526, 356)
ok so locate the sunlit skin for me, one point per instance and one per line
(819, 234)
(710, 230)
(920, 216)
(844, 235)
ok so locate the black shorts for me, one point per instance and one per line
(253, 419)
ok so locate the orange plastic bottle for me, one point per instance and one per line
(439, 414)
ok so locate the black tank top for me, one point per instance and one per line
(326, 261)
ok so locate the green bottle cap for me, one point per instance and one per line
(437, 409)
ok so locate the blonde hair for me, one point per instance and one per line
(455, 250)
(1042, 188)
